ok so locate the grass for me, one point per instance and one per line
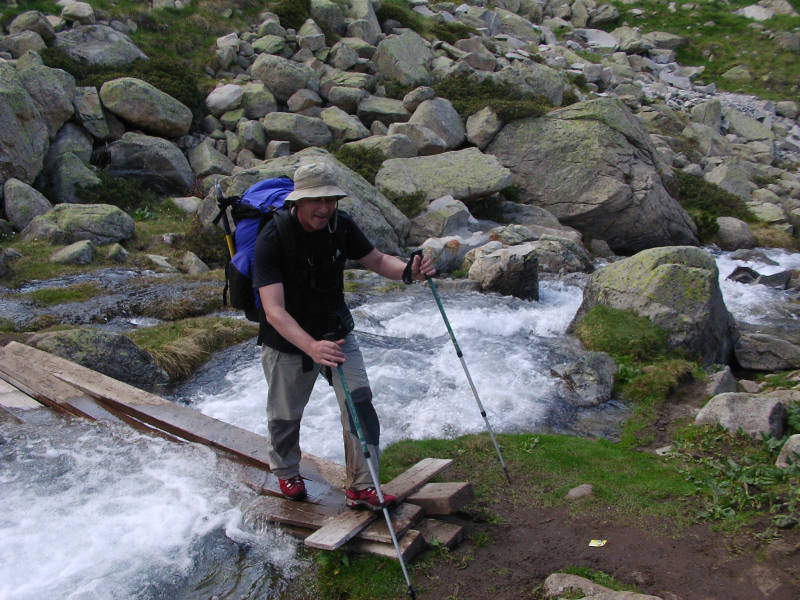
(364, 161)
(180, 347)
(468, 95)
(78, 292)
(720, 40)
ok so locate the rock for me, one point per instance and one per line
(589, 381)
(23, 203)
(53, 91)
(706, 140)
(581, 491)
(509, 271)
(162, 263)
(304, 101)
(205, 160)
(25, 137)
(67, 223)
(751, 387)
(363, 22)
(733, 177)
(18, 44)
(193, 264)
(68, 174)
(277, 148)
(754, 414)
(533, 78)
(93, 347)
(677, 288)
(272, 44)
(224, 98)
(79, 12)
(257, 101)
(739, 73)
(344, 127)
(721, 382)
(425, 140)
(763, 352)
(385, 110)
(389, 146)
(145, 106)
(790, 452)
(252, 137)
(284, 77)
(562, 585)
(382, 223)
(117, 253)
(787, 108)
(482, 126)
(98, 45)
(330, 13)
(464, 174)
(77, 253)
(300, 131)
(527, 214)
(439, 116)
(745, 126)
(405, 58)
(444, 216)
(90, 114)
(417, 96)
(310, 36)
(33, 20)
(665, 40)
(346, 98)
(449, 253)
(343, 56)
(734, 234)
(158, 164)
(595, 168)
(708, 113)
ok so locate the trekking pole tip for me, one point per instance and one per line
(412, 593)
(508, 477)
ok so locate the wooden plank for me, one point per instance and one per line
(440, 533)
(411, 544)
(349, 523)
(11, 397)
(403, 518)
(443, 498)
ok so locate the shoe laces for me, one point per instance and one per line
(294, 481)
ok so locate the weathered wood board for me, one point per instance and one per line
(443, 498)
(441, 533)
(348, 523)
(11, 397)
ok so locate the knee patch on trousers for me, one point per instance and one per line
(367, 417)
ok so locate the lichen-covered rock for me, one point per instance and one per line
(439, 116)
(99, 45)
(53, 91)
(300, 131)
(145, 106)
(68, 175)
(33, 20)
(23, 203)
(77, 253)
(207, 160)
(385, 110)
(93, 347)
(677, 288)
(405, 58)
(594, 166)
(790, 452)
(67, 223)
(283, 77)
(754, 414)
(158, 164)
(464, 174)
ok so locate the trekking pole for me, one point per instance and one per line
(223, 214)
(351, 407)
(464, 365)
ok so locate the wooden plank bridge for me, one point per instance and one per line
(31, 378)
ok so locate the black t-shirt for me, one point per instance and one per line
(313, 285)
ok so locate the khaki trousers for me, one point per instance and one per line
(289, 391)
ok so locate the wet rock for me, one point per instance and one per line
(510, 271)
(93, 347)
(734, 234)
(589, 381)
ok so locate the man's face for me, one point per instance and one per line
(314, 213)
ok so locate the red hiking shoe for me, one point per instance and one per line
(293, 488)
(367, 497)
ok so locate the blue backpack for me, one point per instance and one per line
(260, 203)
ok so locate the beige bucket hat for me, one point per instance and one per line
(316, 180)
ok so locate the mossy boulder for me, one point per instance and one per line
(677, 288)
(67, 223)
(145, 106)
(110, 353)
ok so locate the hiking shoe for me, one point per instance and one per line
(367, 498)
(293, 488)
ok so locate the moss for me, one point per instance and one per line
(621, 333)
(468, 95)
(127, 194)
(410, 204)
(292, 13)
(697, 194)
(364, 161)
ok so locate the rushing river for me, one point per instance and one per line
(99, 513)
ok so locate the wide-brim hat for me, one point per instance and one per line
(316, 180)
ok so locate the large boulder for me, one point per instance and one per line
(405, 58)
(677, 288)
(438, 115)
(594, 166)
(112, 354)
(764, 352)
(283, 77)
(754, 414)
(155, 162)
(23, 203)
(17, 44)
(25, 138)
(53, 91)
(734, 234)
(33, 20)
(68, 174)
(68, 223)
(90, 114)
(464, 174)
(207, 160)
(99, 45)
(145, 106)
(511, 271)
(533, 78)
(383, 224)
(300, 131)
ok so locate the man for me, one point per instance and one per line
(306, 326)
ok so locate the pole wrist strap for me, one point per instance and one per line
(408, 275)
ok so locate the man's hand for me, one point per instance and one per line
(327, 353)
(422, 268)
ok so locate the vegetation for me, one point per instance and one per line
(410, 204)
(364, 161)
(468, 95)
(180, 347)
(718, 40)
(127, 194)
(77, 292)
(400, 11)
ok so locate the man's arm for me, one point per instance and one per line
(324, 352)
(392, 267)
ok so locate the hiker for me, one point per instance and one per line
(306, 328)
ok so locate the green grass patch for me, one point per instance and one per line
(127, 194)
(410, 204)
(599, 578)
(468, 95)
(400, 11)
(621, 333)
(180, 347)
(364, 161)
(77, 292)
